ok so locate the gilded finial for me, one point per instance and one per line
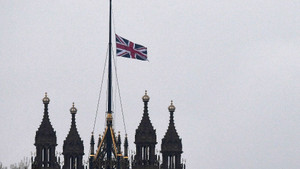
(73, 109)
(46, 100)
(171, 107)
(146, 98)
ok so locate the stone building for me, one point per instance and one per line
(145, 156)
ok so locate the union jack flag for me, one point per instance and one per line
(128, 49)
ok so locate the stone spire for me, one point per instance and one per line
(125, 157)
(145, 132)
(45, 142)
(126, 147)
(92, 143)
(171, 147)
(119, 144)
(171, 134)
(46, 130)
(92, 146)
(73, 133)
(73, 145)
(145, 140)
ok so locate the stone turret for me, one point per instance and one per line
(145, 140)
(73, 150)
(45, 142)
(171, 147)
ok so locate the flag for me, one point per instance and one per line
(128, 49)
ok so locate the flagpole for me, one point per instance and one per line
(109, 63)
(109, 112)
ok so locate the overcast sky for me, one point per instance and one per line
(231, 67)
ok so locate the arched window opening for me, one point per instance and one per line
(169, 162)
(148, 153)
(173, 162)
(48, 155)
(143, 153)
(75, 163)
(71, 163)
(43, 154)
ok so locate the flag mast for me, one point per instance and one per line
(107, 146)
(109, 112)
(109, 62)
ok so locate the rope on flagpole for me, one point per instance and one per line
(99, 96)
(119, 91)
(117, 80)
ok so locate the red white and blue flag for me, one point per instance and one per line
(128, 49)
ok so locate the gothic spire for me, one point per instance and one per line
(73, 149)
(119, 144)
(171, 147)
(45, 142)
(171, 134)
(45, 129)
(92, 145)
(145, 131)
(73, 135)
(126, 147)
(145, 140)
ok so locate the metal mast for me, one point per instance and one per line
(108, 154)
(109, 112)
(109, 63)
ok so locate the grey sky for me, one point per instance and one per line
(231, 67)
